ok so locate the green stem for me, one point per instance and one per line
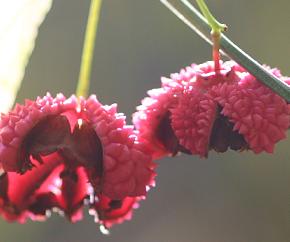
(185, 11)
(216, 29)
(88, 49)
(216, 26)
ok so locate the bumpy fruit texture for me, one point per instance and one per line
(57, 153)
(198, 110)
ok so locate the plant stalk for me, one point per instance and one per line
(88, 49)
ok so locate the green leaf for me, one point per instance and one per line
(19, 23)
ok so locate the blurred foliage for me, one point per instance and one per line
(19, 22)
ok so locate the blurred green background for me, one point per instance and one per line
(232, 197)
